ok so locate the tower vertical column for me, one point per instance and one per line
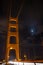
(13, 24)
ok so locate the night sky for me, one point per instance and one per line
(30, 19)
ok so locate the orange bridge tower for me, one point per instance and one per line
(12, 38)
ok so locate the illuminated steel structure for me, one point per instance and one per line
(15, 34)
(13, 23)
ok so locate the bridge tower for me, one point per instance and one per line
(12, 37)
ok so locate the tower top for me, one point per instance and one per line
(12, 19)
